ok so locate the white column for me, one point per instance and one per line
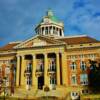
(34, 78)
(18, 71)
(23, 66)
(51, 31)
(62, 32)
(46, 80)
(58, 32)
(58, 68)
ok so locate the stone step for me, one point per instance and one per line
(39, 93)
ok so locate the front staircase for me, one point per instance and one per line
(23, 93)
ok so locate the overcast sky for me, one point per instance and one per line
(18, 18)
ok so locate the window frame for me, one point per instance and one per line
(73, 66)
(83, 66)
(84, 79)
(75, 81)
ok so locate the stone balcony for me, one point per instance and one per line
(51, 72)
(27, 73)
(39, 72)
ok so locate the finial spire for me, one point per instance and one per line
(49, 12)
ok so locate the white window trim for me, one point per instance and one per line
(73, 66)
(83, 82)
(73, 84)
(83, 64)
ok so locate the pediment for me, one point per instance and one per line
(37, 41)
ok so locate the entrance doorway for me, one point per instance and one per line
(40, 82)
(52, 83)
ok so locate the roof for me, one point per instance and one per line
(78, 40)
(53, 18)
(50, 15)
(68, 40)
(9, 46)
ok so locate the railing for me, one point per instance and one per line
(27, 72)
(51, 71)
(39, 72)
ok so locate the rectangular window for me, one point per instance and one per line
(85, 91)
(29, 68)
(84, 79)
(29, 81)
(52, 80)
(73, 80)
(73, 66)
(52, 65)
(83, 66)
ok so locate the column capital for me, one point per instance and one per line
(17, 55)
(45, 54)
(23, 56)
(57, 53)
(62, 53)
(34, 56)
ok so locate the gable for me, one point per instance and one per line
(37, 41)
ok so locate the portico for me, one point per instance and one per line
(39, 70)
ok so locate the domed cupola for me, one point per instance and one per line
(50, 26)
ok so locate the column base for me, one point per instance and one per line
(60, 86)
(46, 88)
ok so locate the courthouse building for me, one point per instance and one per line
(49, 58)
